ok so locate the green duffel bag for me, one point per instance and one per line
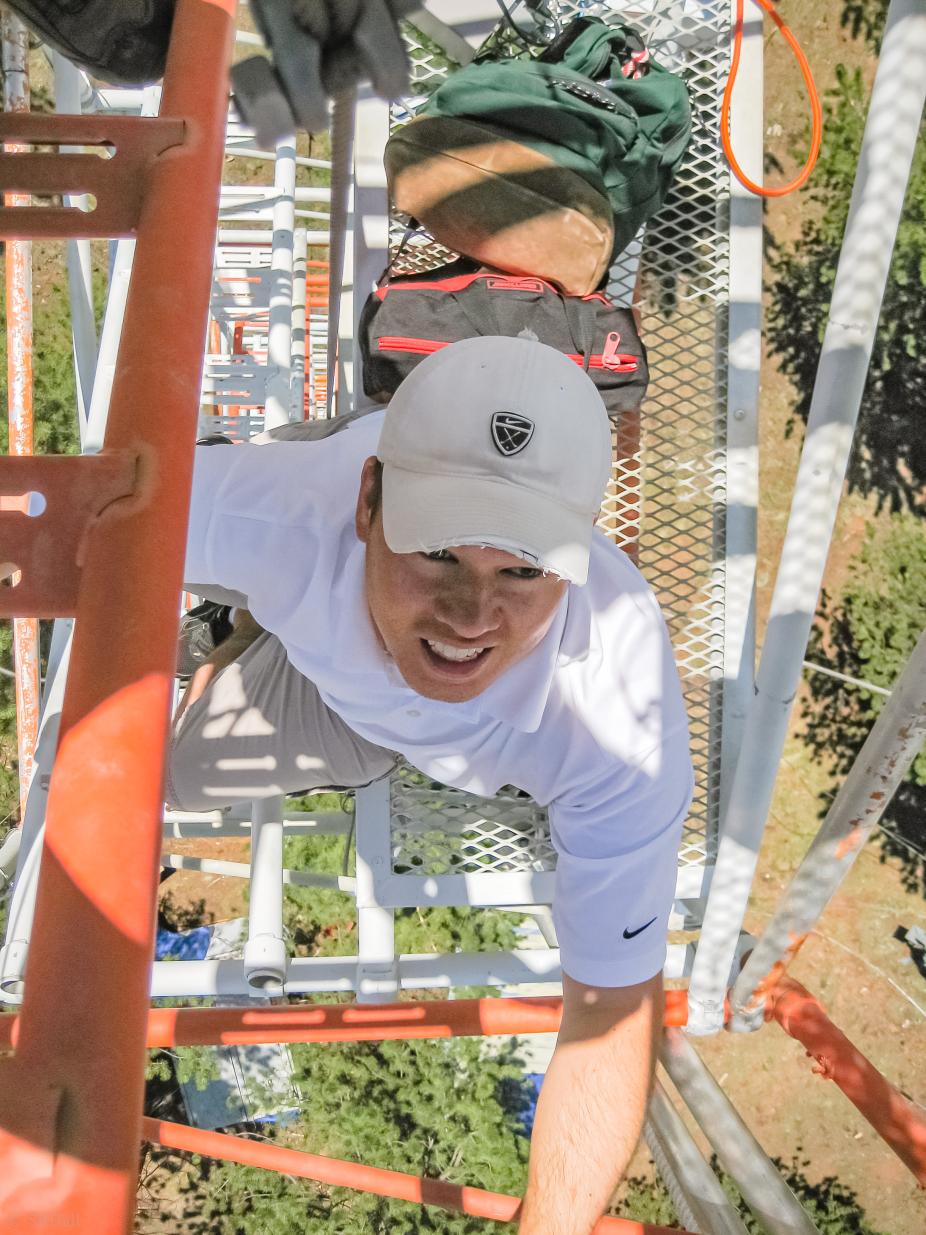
(545, 165)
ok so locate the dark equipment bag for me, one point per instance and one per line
(410, 316)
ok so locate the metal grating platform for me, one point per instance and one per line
(666, 500)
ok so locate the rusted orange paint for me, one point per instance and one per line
(900, 1123)
(18, 287)
(457, 1198)
(357, 1022)
(767, 985)
(852, 840)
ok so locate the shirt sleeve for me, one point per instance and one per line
(613, 897)
(251, 512)
(627, 788)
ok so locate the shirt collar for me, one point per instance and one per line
(519, 696)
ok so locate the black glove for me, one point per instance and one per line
(320, 48)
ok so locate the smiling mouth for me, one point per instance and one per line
(457, 662)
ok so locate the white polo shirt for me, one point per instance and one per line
(590, 724)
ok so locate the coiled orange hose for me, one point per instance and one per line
(816, 109)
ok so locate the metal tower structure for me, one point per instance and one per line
(266, 281)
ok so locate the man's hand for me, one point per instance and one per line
(592, 1104)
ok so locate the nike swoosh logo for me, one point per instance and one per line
(630, 934)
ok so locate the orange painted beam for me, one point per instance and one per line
(432, 1018)
(340, 1174)
(897, 1120)
(119, 184)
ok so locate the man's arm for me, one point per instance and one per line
(592, 1104)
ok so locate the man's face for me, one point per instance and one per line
(452, 621)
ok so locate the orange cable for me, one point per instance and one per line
(816, 109)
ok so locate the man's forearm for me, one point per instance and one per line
(591, 1106)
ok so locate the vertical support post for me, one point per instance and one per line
(279, 334)
(19, 370)
(891, 133)
(706, 1200)
(80, 272)
(299, 340)
(265, 960)
(119, 277)
(371, 215)
(120, 274)
(377, 966)
(15, 950)
(744, 354)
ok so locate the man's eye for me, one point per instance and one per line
(524, 572)
(439, 555)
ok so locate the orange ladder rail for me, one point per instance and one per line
(71, 1095)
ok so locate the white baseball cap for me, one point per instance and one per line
(495, 441)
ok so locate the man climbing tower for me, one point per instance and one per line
(427, 582)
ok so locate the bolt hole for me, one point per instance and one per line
(31, 504)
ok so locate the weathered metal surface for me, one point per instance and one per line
(71, 1096)
(118, 184)
(900, 1123)
(18, 272)
(46, 549)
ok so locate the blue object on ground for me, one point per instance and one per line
(182, 945)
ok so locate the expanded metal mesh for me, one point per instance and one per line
(665, 501)
(441, 831)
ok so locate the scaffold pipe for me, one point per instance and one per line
(71, 1095)
(342, 144)
(265, 956)
(775, 1206)
(891, 133)
(898, 1121)
(704, 1197)
(340, 1174)
(280, 325)
(668, 1175)
(299, 343)
(21, 910)
(893, 743)
(18, 265)
(68, 82)
(241, 870)
(432, 1018)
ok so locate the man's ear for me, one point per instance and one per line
(363, 520)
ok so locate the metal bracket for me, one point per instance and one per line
(117, 183)
(47, 506)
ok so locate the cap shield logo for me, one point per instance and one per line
(511, 432)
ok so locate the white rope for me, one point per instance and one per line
(842, 677)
